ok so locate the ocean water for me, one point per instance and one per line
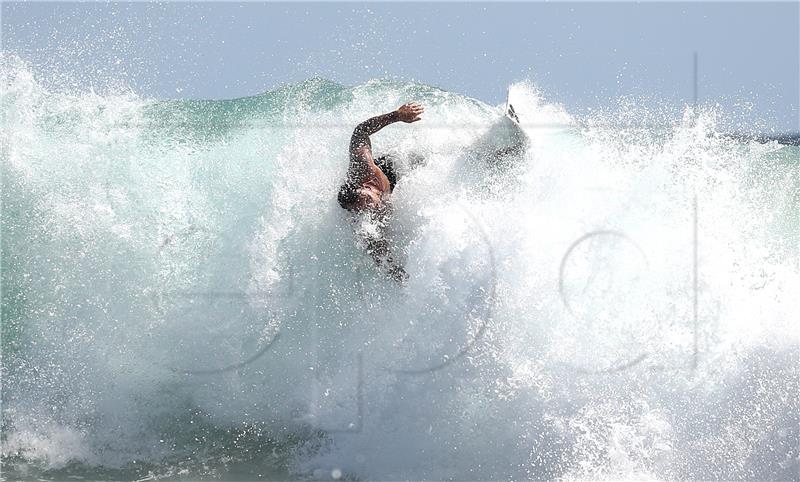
(183, 299)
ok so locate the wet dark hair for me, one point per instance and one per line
(386, 164)
(348, 195)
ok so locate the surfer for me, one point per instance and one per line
(369, 184)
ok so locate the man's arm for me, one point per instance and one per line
(374, 124)
(360, 145)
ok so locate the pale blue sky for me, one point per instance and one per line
(580, 54)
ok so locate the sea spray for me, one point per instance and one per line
(182, 295)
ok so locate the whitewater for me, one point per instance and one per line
(183, 298)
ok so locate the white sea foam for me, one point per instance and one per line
(164, 261)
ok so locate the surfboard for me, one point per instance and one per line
(510, 112)
(504, 143)
(509, 137)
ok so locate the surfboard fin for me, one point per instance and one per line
(513, 115)
(510, 113)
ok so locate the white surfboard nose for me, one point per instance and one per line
(510, 112)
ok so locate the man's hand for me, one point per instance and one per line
(410, 112)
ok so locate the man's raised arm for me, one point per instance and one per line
(406, 113)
